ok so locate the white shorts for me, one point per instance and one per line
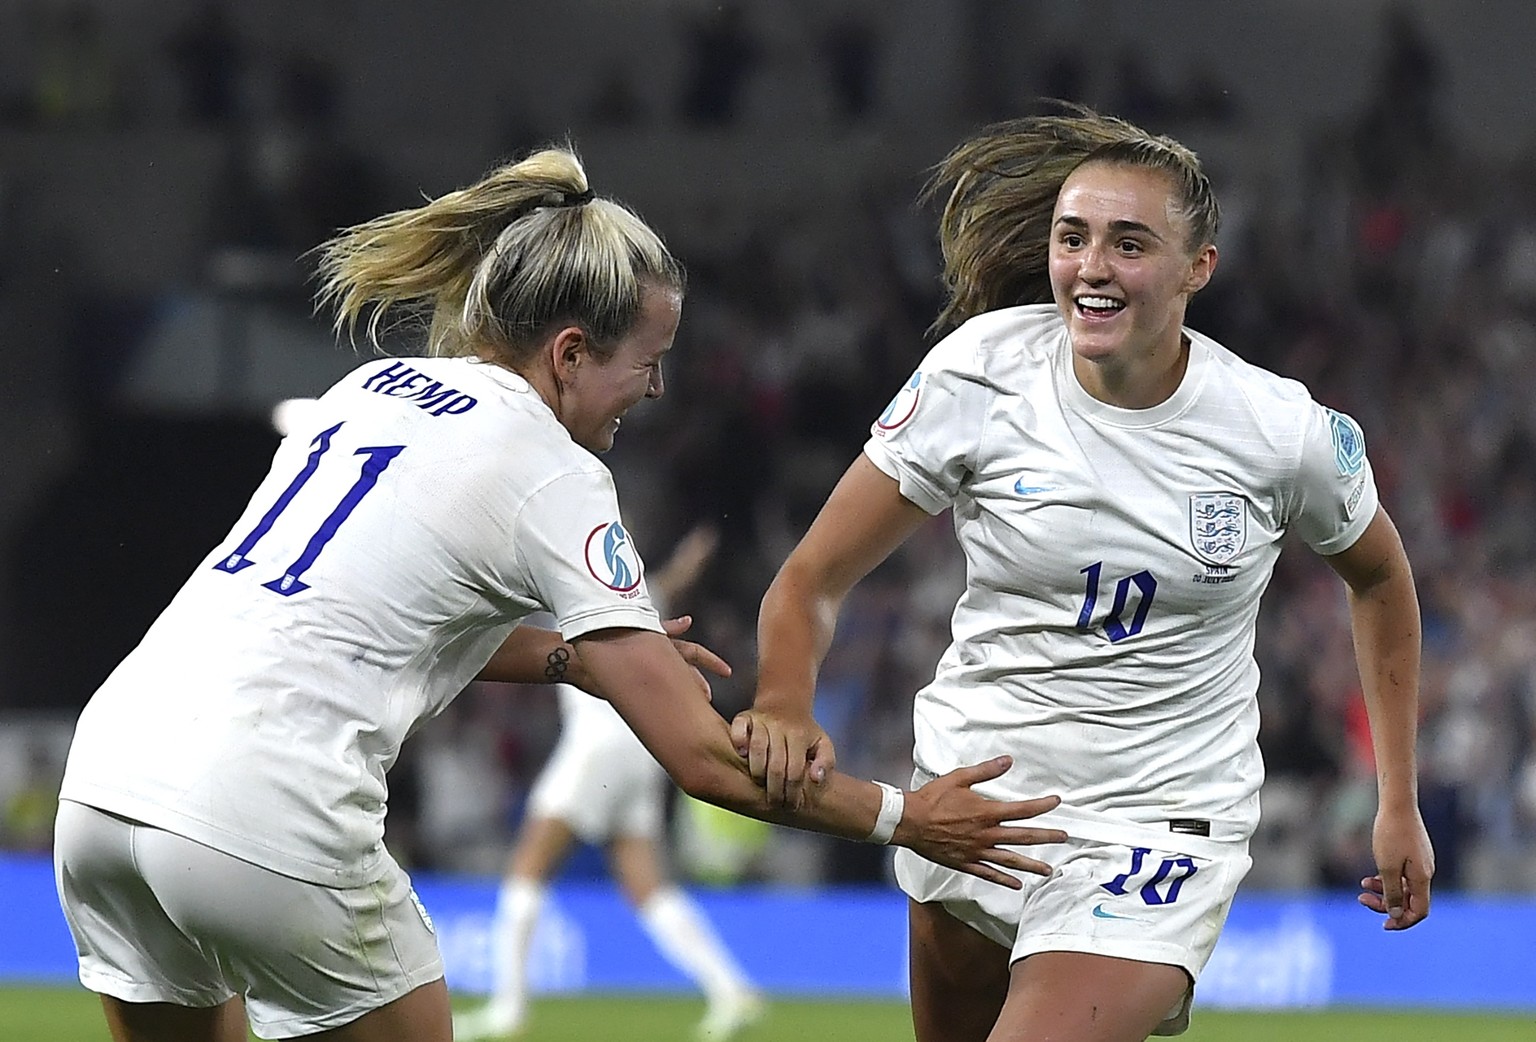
(157, 917)
(1102, 899)
(602, 786)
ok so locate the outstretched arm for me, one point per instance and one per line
(1384, 615)
(531, 655)
(641, 675)
(864, 519)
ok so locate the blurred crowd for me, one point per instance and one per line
(1380, 262)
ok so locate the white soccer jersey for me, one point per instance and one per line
(429, 506)
(1115, 563)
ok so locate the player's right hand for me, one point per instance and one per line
(947, 823)
(788, 755)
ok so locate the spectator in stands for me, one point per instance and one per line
(1120, 486)
(218, 845)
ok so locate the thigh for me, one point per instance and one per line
(542, 844)
(422, 1015)
(1087, 998)
(308, 958)
(166, 1022)
(959, 978)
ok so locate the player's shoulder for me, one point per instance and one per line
(1236, 378)
(1003, 343)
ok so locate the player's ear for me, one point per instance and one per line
(568, 350)
(1201, 269)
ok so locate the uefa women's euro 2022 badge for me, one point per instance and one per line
(901, 408)
(612, 560)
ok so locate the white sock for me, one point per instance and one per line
(518, 904)
(682, 934)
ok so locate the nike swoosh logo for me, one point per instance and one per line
(1027, 490)
(1100, 913)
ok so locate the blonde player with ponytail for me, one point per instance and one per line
(219, 847)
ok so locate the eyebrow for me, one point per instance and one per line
(1114, 226)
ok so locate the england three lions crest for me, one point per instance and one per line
(1218, 525)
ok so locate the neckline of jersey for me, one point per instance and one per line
(1075, 397)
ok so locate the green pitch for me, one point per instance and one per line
(72, 1015)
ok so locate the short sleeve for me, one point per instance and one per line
(1335, 495)
(926, 439)
(580, 560)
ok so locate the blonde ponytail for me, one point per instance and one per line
(492, 265)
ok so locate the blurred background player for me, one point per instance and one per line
(601, 786)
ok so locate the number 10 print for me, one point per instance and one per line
(1114, 628)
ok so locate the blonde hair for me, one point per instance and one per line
(495, 265)
(1002, 186)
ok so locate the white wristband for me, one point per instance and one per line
(892, 802)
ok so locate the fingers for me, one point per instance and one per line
(678, 626)
(701, 658)
(1018, 810)
(980, 772)
(777, 781)
(1413, 909)
(741, 734)
(992, 875)
(1392, 893)
(757, 757)
(1022, 837)
(823, 762)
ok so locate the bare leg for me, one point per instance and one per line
(420, 1016)
(636, 865)
(1077, 997)
(165, 1022)
(683, 934)
(542, 844)
(959, 978)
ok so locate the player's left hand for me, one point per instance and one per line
(1405, 864)
(696, 655)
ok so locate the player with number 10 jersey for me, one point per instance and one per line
(1116, 559)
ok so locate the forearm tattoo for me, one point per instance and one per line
(557, 663)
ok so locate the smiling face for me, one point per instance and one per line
(594, 392)
(1122, 272)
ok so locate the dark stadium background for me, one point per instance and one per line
(165, 164)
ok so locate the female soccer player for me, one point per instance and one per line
(1120, 485)
(220, 832)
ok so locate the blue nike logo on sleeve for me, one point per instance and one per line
(1025, 490)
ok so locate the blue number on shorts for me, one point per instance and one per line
(1114, 629)
(290, 583)
(1149, 890)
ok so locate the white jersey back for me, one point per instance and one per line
(428, 507)
(1115, 559)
